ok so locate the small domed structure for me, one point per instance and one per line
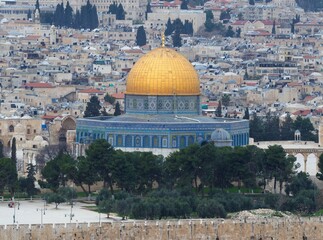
(297, 135)
(44, 143)
(38, 139)
(221, 138)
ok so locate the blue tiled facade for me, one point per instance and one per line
(146, 134)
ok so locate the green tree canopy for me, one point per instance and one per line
(101, 154)
(230, 32)
(28, 184)
(57, 171)
(306, 128)
(8, 175)
(287, 128)
(108, 98)
(93, 107)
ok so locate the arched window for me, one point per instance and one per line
(119, 141)
(164, 142)
(190, 140)
(138, 141)
(128, 141)
(155, 141)
(174, 142)
(182, 142)
(11, 128)
(146, 142)
(110, 139)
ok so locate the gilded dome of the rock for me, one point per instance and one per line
(163, 71)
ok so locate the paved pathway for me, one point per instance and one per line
(32, 212)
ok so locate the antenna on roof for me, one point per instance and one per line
(163, 37)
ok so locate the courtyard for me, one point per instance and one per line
(37, 212)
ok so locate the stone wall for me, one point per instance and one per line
(279, 228)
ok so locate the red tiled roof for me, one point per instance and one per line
(240, 22)
(267, 22)
(32, 37)
(294, 84)
(211, 104)
(38, 85)
(251, 83)
(91, 90)
(133, 51)
(302, 112)
(48, 117)
(118, 95)
(309, 57)
(308, 98)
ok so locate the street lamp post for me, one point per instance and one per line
(42, 212)
(13, 205)
(71, 215)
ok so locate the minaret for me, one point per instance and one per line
(52, 36)
(321, 132)
(36, 16)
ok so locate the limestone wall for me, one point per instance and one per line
(280, 228)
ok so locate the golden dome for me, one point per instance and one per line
(163, 71)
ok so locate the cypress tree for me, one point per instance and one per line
(117, 110)
(77, 20)
(59, 17)
(68, 15)
(37, 5)
(141, 39)
(29, 15)
(273, 30)
(246, 114)
(218, 112)
(94, 16)
(238, 32)
(1, 150)
(62, 15)
(292, 28)
(184, 5)
(177, 40)
(148, 10)
(287, 129)
(209, 25)
(89, 22)
(169, 28)
(178, 25)
(14, 150)
(113, 8)
(84, 17)
(190, 30)
(229, 32)
(120, 13)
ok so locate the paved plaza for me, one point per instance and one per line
(32, 212)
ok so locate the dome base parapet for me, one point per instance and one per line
(162, 104)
